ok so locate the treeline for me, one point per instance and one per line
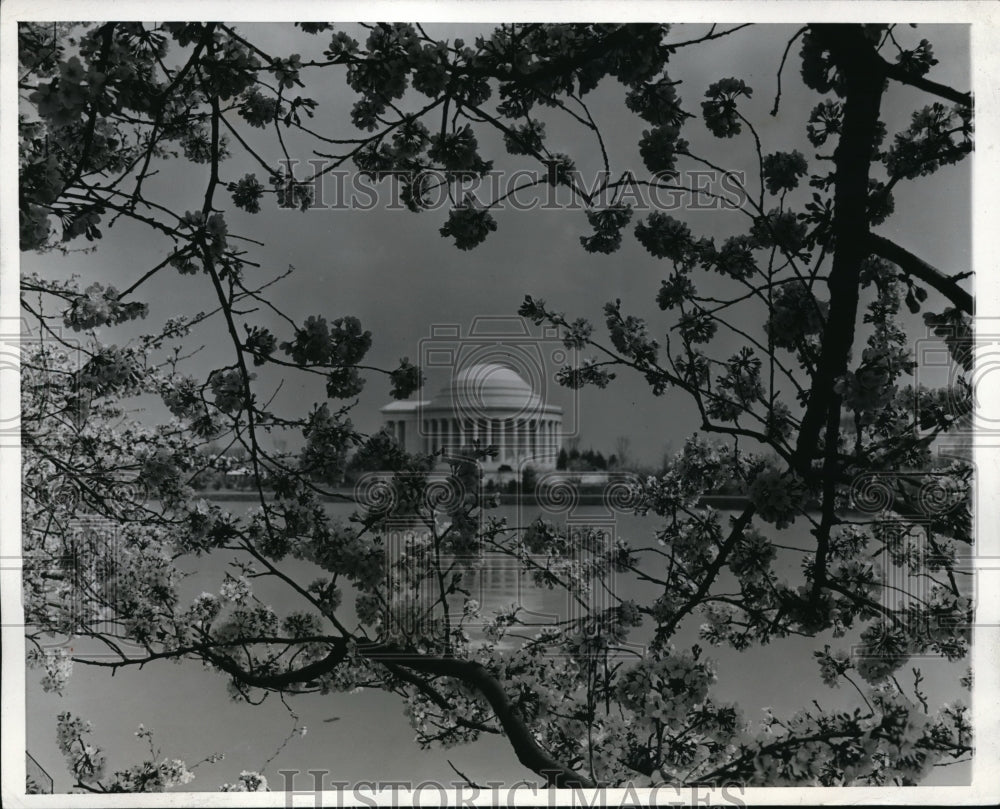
(232, 469)
(586, 461)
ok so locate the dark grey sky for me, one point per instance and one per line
(392, 269)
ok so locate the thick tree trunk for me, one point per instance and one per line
(864, 76)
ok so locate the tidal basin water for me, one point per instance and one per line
(365, 736)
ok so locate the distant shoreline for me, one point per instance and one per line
(584, 498)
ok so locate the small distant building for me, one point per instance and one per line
(489, 403)
(241, 474)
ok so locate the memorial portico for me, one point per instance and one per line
(489, 403)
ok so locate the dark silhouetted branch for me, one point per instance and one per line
(900, 74)
(912, 265)
(472, 673)
(285, 678)
(858, 63)
(735, 534)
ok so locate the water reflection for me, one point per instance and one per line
(496, 582)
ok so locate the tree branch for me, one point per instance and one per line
(435, 696)
(781, 67)
(528, 751)
(712, 572)
(900, 74)
(859, 64)
(829, 504)
(945, 284)
(286, 678)
(107, 32)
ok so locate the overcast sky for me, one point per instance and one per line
(392, 269)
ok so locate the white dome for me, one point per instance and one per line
(484, 402)
(486, 386)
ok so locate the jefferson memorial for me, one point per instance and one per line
(489, 403)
